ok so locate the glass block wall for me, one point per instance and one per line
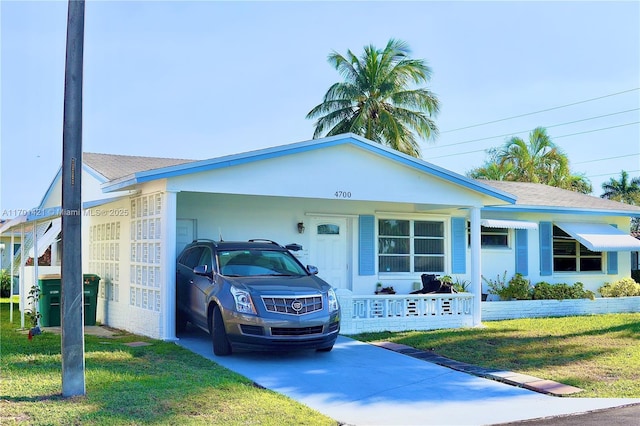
(145, 274)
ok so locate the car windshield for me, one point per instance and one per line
(254, 262)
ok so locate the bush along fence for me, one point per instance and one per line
(520, 299)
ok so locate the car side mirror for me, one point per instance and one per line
(201, 270)
(312, 270)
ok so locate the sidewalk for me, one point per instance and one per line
(362, 384)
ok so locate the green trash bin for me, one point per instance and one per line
(50, 297)
(91, 282)
(49, 302)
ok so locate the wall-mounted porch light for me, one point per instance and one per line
(300, 227)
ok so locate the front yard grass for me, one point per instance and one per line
(157, 384)
(599, 353)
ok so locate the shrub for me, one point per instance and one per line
(517, 287)
(620, 288)
(461, 286)
(544, 291)
(499, 286)
(5, 283)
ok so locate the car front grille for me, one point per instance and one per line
(293, 305)
(298, 331)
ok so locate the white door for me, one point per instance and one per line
(328, 250)
(185, 233)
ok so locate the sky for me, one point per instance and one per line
(203, 79)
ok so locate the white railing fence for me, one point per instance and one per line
(400, 312)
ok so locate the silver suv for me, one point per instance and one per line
(254, 295)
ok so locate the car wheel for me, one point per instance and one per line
(181, 321)
(327, 349)
(221, 345)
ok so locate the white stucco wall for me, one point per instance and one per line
(496, 261)
(319, 174)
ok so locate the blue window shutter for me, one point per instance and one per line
(458, 245)
(366, 245)
(545, 230)
(522, 254)
(612, 261)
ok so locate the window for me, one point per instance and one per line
(328, 229)
(410, 246)
(191, 257)
(571, 256)
(491, 237)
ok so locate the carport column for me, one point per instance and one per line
(23, 259)
(169, 216)
(476, 266)
(13, 259)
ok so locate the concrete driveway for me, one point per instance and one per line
(361, 384)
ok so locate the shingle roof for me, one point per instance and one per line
(116, 166)
(538, 195)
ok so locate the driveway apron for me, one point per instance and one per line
(361, 384)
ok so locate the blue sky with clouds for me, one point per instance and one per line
(203, 79)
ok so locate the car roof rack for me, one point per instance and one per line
(208, 240)
(261, 240)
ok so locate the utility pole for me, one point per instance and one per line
(72, 286)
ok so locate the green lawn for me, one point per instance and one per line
(157, 384)
(599, 354)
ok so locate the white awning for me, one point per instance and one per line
(513, 224)
(49, 237)
(600, 236)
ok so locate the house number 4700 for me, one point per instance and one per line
(343, 194)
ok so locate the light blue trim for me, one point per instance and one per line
(458, 245)
(58, 176)
(545, 231)
(555, 211)
(51, 212)
(91, 171)
(522, 252)
(366, 245)
(42, 214)
(311, 145)
(49, 190)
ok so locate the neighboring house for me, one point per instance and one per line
(363, 214)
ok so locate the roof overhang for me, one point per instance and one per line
(130, 181)
(49, 237)
(600, 236)
(512, 224)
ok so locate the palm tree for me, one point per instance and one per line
(624, 190)
(375, 99)
(537, 160)
(493, 169)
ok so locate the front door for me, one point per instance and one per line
(329, 244)
(185, 233)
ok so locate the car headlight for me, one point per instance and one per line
(333, 300)
(244, 304)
